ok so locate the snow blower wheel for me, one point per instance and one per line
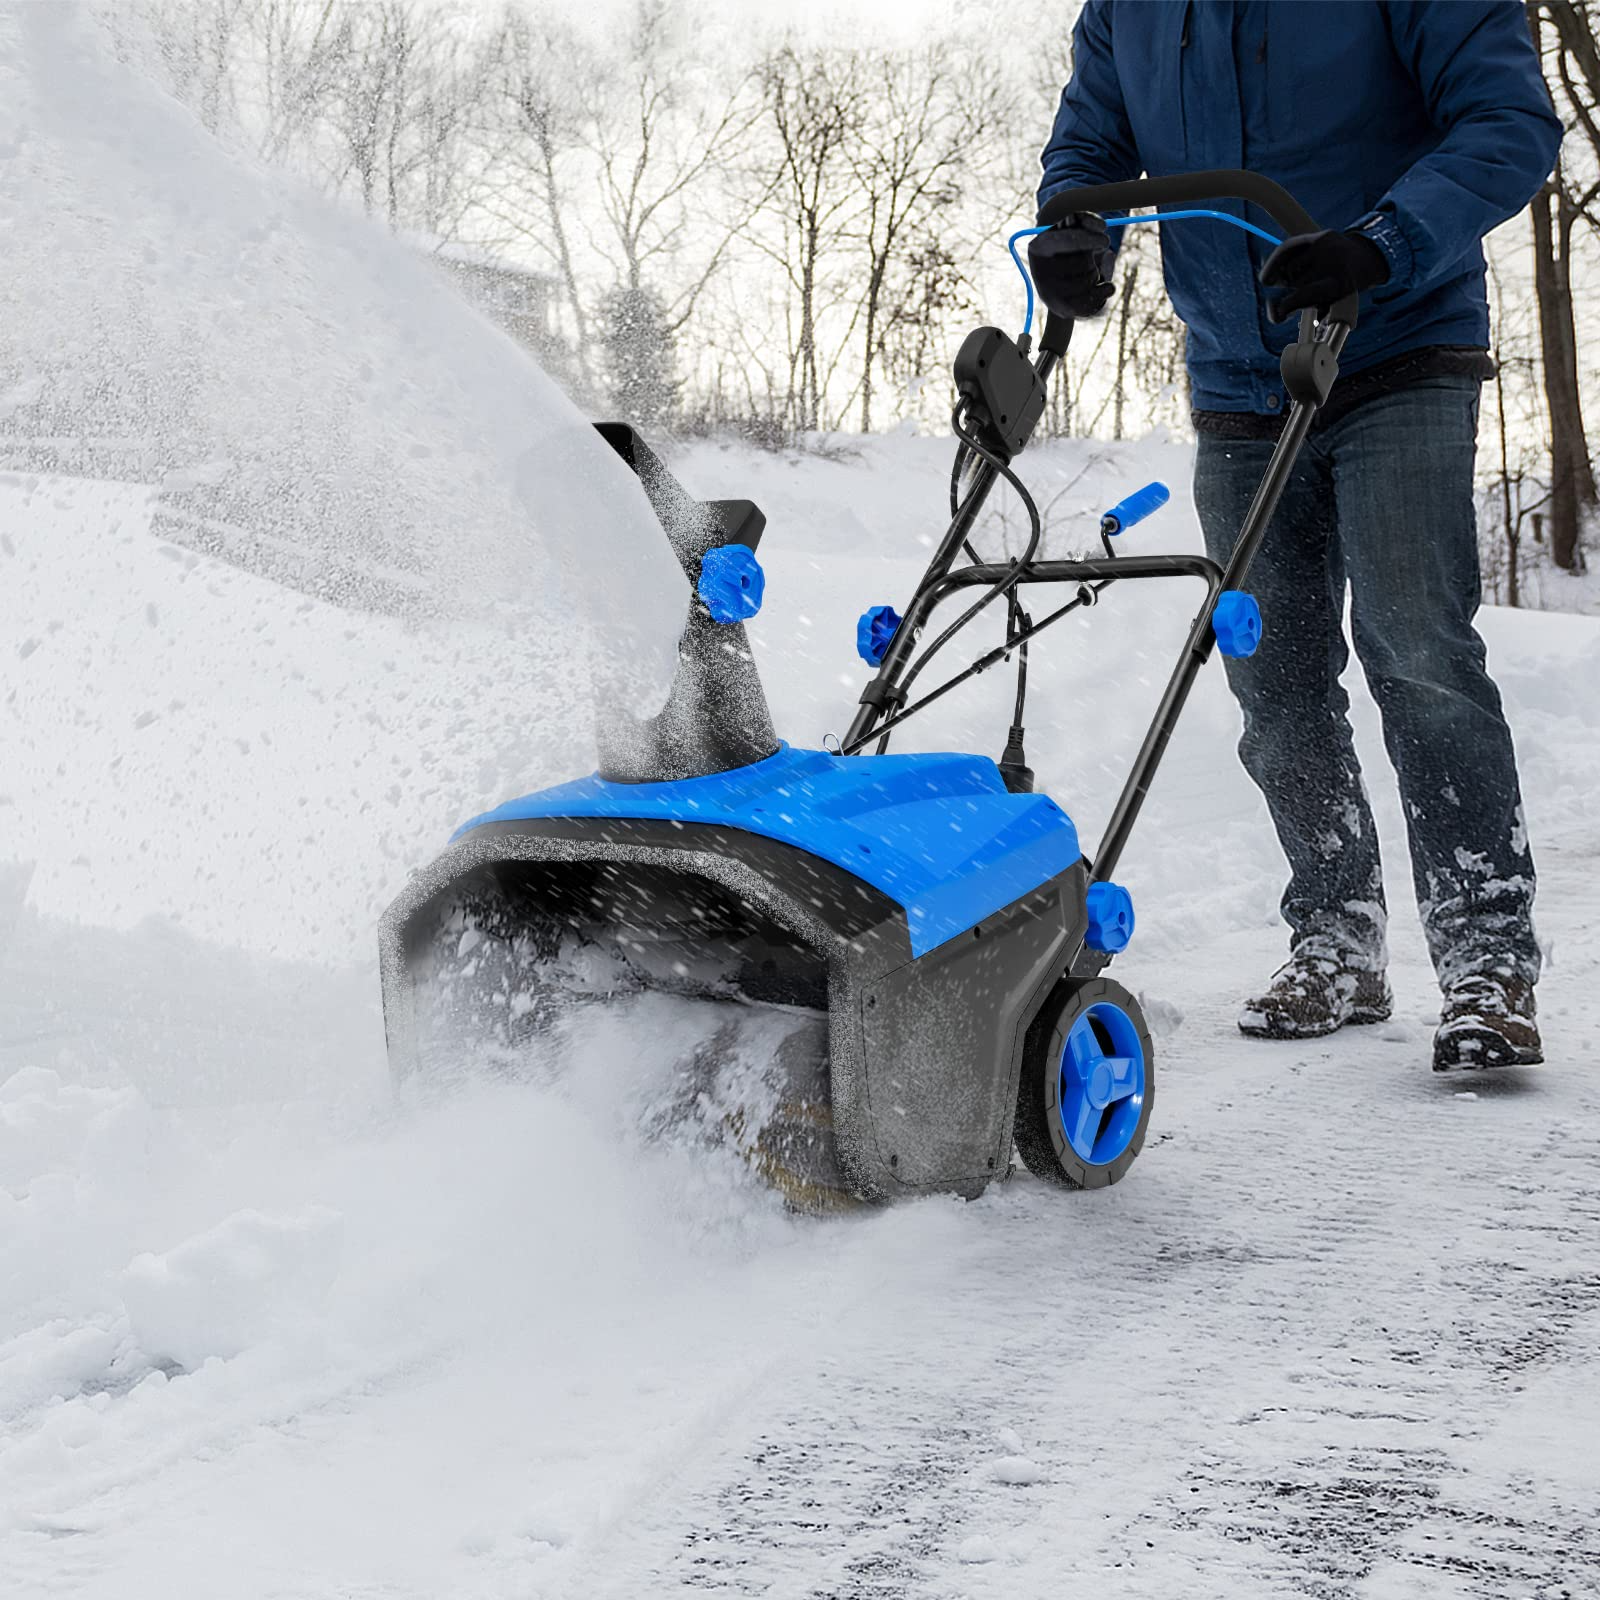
(871, 974)
(1087, 1088)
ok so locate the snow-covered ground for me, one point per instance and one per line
(264, 1332)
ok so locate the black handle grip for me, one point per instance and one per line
(1184, 188)
(1189, 188)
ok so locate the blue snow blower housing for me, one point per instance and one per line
(939, 835)
(924, 931)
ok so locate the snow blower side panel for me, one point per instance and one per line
(941, 1046)
(923, 1052)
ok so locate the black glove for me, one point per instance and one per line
(1313, 271)
(1071, 265)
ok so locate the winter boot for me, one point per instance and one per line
(1313, 994)
(1487, 1021)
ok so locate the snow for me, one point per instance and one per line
(176, 314)
(231, 1287)
(266, 1331)
(269, 1330)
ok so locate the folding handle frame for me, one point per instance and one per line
(1310, 366)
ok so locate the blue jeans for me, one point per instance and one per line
(1380, 500)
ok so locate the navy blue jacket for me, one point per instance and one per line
(1423, 124)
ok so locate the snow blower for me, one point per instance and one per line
(921, 936)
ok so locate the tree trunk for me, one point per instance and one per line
(874, 289)
(1572, 483)
(1513, 522)
(1583, 466)
(810, 383)
(539, 123)
(1123, 313)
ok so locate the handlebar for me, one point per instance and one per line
(1186, 188)
(1183, 188)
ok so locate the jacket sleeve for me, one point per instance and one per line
(1480, 75)
(1092, 140)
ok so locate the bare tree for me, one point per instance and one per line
(662, 132)
(298, 72)
(399, 104)
(814, 103)
(925, 293)
(1571, 475)
(546, 75)
(1555, 212)
(1577, 66)
(609, 165)
(1516, 485)
(1147, 376)
(198, 41)
(1119, 392)
(930, 121)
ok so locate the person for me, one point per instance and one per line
(1408, 131)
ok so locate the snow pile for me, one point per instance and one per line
(189, 741)
(232, 1286)
(275, 1266)
(70, 1156)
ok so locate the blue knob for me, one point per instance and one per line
(874, 631)
(1110, 918)
(1135, 508)
(1236, 621)
(731, 582)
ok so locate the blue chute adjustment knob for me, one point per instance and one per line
(731, 583)
(874, 630)
(1236, 621)
(1110, 918)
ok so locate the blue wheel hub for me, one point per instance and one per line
(1102, 1084)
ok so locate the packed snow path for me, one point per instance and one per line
(264, 1334)
(1336, 1336)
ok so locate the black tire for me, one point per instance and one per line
(1041, 1137)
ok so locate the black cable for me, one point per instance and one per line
(1020, 627)
(956, 468)
(1018, 567)
(1016, 617)
(1087, 594)
(930, 578)
(982, 664)
(958, 464)
(1015, 772)
(1015, 624)
(1035, 533)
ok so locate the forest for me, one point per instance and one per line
(762, 231)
